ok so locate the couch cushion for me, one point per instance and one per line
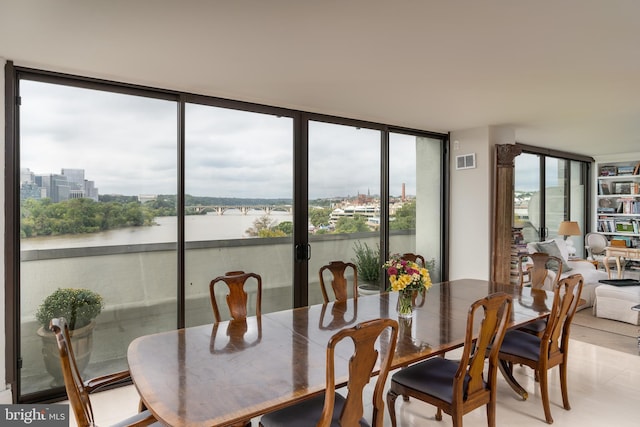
(551, 247)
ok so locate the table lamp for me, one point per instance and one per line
(566, 229)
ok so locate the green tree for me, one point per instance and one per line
(405, 218)
(355, 224)
(319, 216)
(286, 227)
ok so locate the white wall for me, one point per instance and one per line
(472, 199)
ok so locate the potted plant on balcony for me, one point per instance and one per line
(367, 262)
(79, 307)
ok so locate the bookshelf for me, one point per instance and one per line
(618, 201)
(518, 247)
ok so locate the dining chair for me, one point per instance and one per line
(419, 298)
(237, 296)
(460, 386)
(533, 271)
(333, 409)
(78, 390)
(418, 259)
(339, 282)
(549, 350)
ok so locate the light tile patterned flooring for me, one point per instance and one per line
(604, 390)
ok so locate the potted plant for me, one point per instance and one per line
(79, 307)
(367, 262)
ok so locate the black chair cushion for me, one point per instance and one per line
(306, 413)
(521, 344)
(534, 327)
(433, 376)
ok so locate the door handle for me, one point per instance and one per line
(302, 252)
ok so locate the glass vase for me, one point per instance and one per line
(405, 304)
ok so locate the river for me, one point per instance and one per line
(231, 225)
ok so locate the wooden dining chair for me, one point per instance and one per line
(548, 351)
(237, 297)
(419, 298)
(78, 390)
(331, 408)
(418, 259)
(458, 387)
(339, 282)
(536, 274)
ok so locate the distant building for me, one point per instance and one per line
(70, 184)
(142, 198)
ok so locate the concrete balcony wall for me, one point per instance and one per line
(138, 284)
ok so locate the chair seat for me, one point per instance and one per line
(521, 344)
(135, 419)
(536, 327)
(305, 413)
(433, 376)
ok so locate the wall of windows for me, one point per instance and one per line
(144, 196)
(551, 187)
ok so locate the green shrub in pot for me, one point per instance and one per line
(78, 306)
(367, 261)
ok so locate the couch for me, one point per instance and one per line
(592, 276)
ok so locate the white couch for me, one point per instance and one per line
(591, 275)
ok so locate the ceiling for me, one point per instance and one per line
(565, 74)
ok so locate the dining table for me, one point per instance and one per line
(226, 373)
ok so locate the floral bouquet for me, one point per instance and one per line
(406, 277)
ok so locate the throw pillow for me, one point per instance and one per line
(551, 248)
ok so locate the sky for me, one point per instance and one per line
(128, 145)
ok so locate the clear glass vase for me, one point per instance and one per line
(405, 304)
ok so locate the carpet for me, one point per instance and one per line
(612, 334)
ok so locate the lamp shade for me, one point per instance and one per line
(569, 228)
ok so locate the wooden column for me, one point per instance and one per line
(503, 212)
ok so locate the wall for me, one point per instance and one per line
(472, 198)
(469, 238)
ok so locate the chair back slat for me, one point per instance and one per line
(361, 366)
(536, 273)
(237, 296)
(76, 391)
(339, 282)
(496, 311)
(565, 302)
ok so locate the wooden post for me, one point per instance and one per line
(503, 212)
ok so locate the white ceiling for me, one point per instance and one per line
(564, 73)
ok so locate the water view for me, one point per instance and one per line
(231, 225)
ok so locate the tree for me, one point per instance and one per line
(405, 218)
(286, 227)
(355, 224)
(319, 216)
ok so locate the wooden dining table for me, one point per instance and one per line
(225, 373)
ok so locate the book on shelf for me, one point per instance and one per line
(624, 227)
(608, 170)
(626, 170)
(622, 187)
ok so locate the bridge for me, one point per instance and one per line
(244, 209)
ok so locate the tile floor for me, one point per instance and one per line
(604, 390)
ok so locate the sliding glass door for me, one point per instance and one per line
(344, 200)
(415, 207)
(238, 205)
(98, 185)
(549, 190)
